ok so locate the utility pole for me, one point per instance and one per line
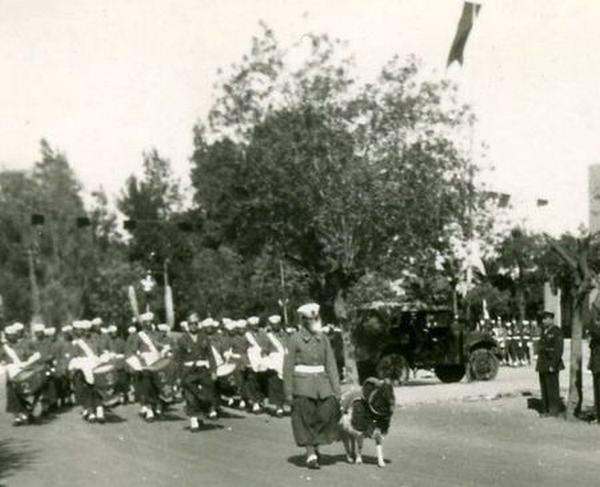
(36, 312)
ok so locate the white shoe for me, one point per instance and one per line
(100, 414)
(230, 402)
(255, 407)
(194, 424)
(242, 404)
(212, 415)
(149, 415)
(279, 412)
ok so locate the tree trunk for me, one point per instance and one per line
(575, 397)
(341, 313)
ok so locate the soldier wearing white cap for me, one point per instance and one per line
(311, 384)
(278, 339)
(47, 350)
(18, 354)
(194, 355)
(86, 356)
(63, 353)
(145, 350)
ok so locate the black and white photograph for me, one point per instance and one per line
(268, 243)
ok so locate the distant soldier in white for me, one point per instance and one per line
(145, 349)
(25, 374)
(311, 383)
(259, 347)
(198, 373)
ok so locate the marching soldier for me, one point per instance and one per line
(86, 356)
(47, 350)
(146, 349)
(549, 364)
(279, 340)
(198, 373)
(17, 354)
(63, 354)
(311, 383)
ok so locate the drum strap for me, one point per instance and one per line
(12, 354)
(85, 347)
(253, 343)
(148, 341)
(276, 343)
(218, 359)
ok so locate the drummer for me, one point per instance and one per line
(85, 357)
(278, 339)
(46, 347)
(312, 386)
(198, 372)
(145, 349)
(16, 354)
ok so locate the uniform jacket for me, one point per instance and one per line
(188, 350)
(594, 363)
(305, 348)
(550, 350)
(23, 348)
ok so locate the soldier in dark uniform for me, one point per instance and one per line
(279, 339)
(549, 364)
(312, 386)
(47, 350)
(198, 373)
(594, 363)
(63, 353)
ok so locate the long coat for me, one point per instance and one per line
(550, 350)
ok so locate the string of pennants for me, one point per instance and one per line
(39, 219)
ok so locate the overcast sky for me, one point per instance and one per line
(105, 80)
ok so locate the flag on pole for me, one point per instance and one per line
(465, 24)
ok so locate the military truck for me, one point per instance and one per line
(391, 339)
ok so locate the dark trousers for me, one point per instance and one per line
(276, 393)
(596, 376)
(198, 391)
(86, 394)
(147, 390)
(250, 387)
(550, 389)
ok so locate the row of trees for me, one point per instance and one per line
(307, 184)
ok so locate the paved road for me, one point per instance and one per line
(442, 435)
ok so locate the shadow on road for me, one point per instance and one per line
(206, 427)
(328, 460)
(14, 455)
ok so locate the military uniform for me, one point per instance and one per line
(594, 363)
(311, 378)
(548, 366)
(197, 364)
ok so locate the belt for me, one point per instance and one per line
(197, 363)
(309, 369)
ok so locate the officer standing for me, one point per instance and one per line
(594, 364)
(549, 364)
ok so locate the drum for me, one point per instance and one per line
(30, 380)
(105, 381)
(164, 376)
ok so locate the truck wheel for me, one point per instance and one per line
(394, 367)
(450, 373)
(483, 365)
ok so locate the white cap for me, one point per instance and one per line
(163, 327)
(97, 321)
(50, 331)
(309, 310)
(10, 330)
(112, 329)
(38, 327)
(241, 323)
(18, 326)
(66, 329)
(104, 330)
(274, 319)
(149, 316)
(85, 324)
(131, 330)
(253, 320)
(229, 324)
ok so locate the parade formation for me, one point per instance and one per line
(252, 364)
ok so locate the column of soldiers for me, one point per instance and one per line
(211, 364)
(517, 341)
